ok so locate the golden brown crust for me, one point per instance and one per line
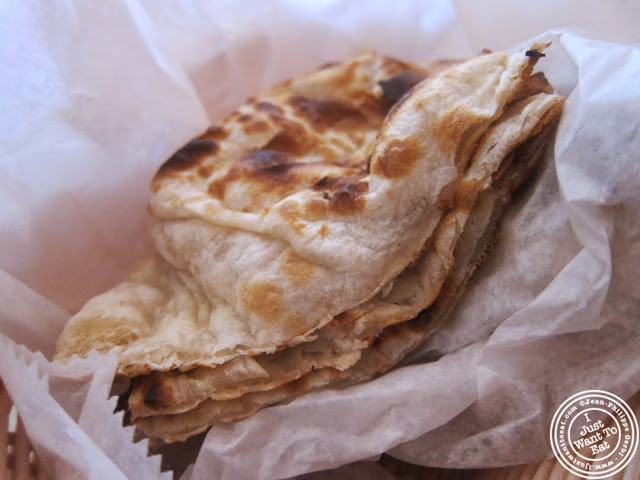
(297, 270)
(397, 159)
(264, 298)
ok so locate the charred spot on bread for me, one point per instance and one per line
(189, 155)
(323, 113)
(348, 199)
(394, 88)
(269, 108)
(217, 132)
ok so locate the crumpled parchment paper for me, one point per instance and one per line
(95, 97)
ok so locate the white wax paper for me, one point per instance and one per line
(95, 96)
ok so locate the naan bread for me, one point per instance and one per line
(306, 203)
(412, 291)
(296, 243)
(481, 196)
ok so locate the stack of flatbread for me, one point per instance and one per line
(317, 236)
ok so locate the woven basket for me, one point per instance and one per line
(18, 461)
